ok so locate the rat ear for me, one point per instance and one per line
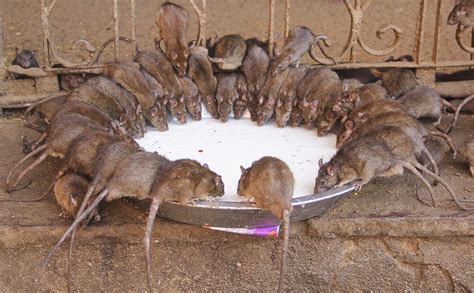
(181, 99)
(219, 99)
(314, 105)
(17, 50)
(205, 165)
(305, 102)
(260, 100)
(34, 52)
(336, 108)
(243, 170)
(348, 125)
(173, 55)
(330, 170)
(154, 111)
(346, 87)
(320, 162)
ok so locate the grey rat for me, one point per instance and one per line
(228, 52)
(362, 159)
(467, 153)
(425, 102)
(300, 40)
(25, 59)
(201, 73)
(160, 180)
(287, 95)
(397, 81)
(226, 93)
(271, 183)
(462, 14)
(172, 21)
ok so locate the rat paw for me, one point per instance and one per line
(358, 185)
(65, 215)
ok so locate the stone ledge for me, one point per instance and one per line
(166, 231)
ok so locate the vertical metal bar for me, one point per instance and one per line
(287, 18)
(437, 34)
(116, 30)
(2, 59)
(45, 37)
(134, 29)
(204, 21)
(271, 26)
(420, 31)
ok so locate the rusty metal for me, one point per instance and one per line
(356, 13)
(439, 9)
(271, 26)
(3, 71)
(201, 15)
(287, 18)
(419, 32)
(133, 8)
(116, 30)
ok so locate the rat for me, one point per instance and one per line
(62, 131)
(458, 110)
(177, 108)
(192, 98)
(397, 81)
(241, 103)
(254, 67)
(362, 114)
(130, 78)
(226, 94)
(95, 92)
(299, 41)
(271, 183)
(467, 153)
(462, 14)
(70, 81)
(350, 99)
(365, 158)
(200, 72)
(172, 21)
(268, 96)
(25, 59)
(425, 102)
(296, 117)
(159, 179)
(410, 125)
(68, 190)
(228, 52)
(287, 95)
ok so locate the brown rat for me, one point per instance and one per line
(226, 93)
(177, 108)
(68, 191)
(268, 96)
(397, 81)
(228, 52)
(25, 59)
(362, 114)
(172, 21)
(271, 183)
(458, 110)
(254, 67)
(241, 103)
(70, 81)
(128, 75)
(287, 95)
(425, 102)
(299, 41)
(362, 159)
(148, 175)
(200, 72)
(467, 154)
(462, 14)
(62, 131)
(296, 117)
(192, 98)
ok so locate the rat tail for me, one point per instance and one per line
(147, 239)
(446, 185)
(12, 187)
(458, 110)
(448, 139)
(284, 249)
(76, 222)
(423, 179)
(33, 153)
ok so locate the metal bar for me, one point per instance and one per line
(271, 26)
(45, 37)
(134, 29)
(401, 65)
(455, 89)
(204, 21)
(420, 31)
(437, 34)
(3, 72)
(116, 30)
(287, 18)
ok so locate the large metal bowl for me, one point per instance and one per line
(247, 215)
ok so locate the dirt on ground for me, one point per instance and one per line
(382, 238)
